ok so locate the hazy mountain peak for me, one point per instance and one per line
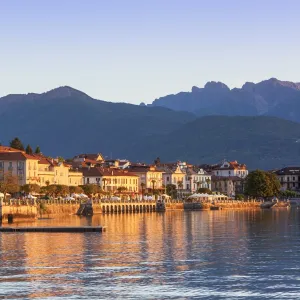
(64, 92)
(196, 89)
(216, 85)
(276, 82)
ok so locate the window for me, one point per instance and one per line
(168, 178)
(294, 184)
(1, 165)
(88, 180)
(293, 178)
(10, 165)
(288, 178)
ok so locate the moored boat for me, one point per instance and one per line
(160, 206)
(268, 204)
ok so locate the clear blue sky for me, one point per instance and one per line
(133, 51)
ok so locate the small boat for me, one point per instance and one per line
(268, 204)
(215, 207)
(160, 206)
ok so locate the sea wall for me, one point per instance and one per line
(174, 206)
(18, 212)
(52, 209)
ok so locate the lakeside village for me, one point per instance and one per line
(25, 173)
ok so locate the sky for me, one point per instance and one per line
(135, 51)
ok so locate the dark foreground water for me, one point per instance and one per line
(173, 255)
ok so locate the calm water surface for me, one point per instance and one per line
(173, 255)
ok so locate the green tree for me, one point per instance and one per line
(29, 149)
(8, 184)
(90, 189)
(37, 150)
(153, 181)
(49, 190)
(239, 197)
(16, 144)
(171, 190)
(143, 189)
(60, 159)
(30, 188)
(262, 184)
(204, 191)
(75, 190)
(180, 187)
(61, 190)
(122, 189)
(288, 194)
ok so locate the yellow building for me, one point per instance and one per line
(54, 172)
(111, 179)
(149, 176)
(36, 169)
(19, 164)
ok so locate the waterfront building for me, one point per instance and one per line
(51, 171)
(149, 176)
(228, 185)
(111, 179)
(37, 169)
(196, 179)
(87, 160)
(116, 163)
(173, 174)
(19, 164)
(289, 178)
(230, 168)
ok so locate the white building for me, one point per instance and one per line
(197, 179)
(231, 168)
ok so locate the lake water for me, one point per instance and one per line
(174, 255)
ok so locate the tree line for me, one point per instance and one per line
(17, 144)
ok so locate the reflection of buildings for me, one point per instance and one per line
(142, 249)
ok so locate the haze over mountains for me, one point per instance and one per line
(270, 97)
(65, 122)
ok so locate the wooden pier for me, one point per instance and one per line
(54, 229)
(127, 207)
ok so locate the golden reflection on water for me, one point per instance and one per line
(158, 250)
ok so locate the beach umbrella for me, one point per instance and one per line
(74, 195)
(82, 196)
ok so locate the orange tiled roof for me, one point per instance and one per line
(9, 149)
(16, 156)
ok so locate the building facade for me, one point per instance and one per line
(111, 180)
(289, 178)
(20, 165)
(36, 169)
(232, 168)
(196, 179)
(149, 177)
(228, 185)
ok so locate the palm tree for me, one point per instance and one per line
(190, 180)
(104, 183)
(208, 181)
(143, 188)
(180, 187)
(153, 181)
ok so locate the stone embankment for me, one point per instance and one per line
(19, 210)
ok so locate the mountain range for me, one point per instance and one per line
(66, 122)
(267, 98)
